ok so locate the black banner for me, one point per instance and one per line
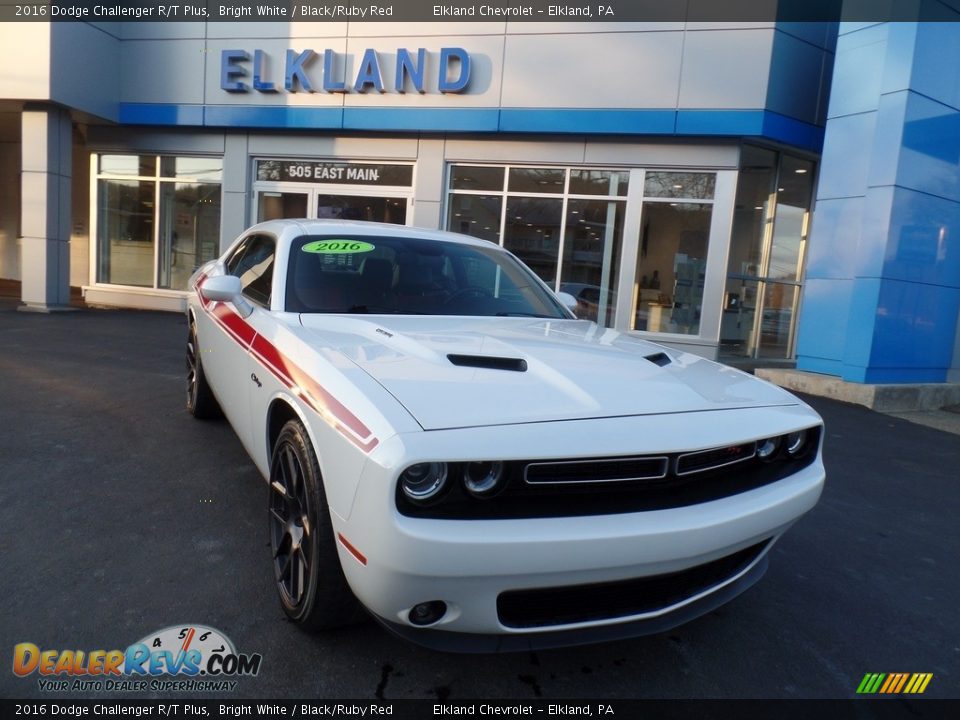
(885, 709)
(471, 11)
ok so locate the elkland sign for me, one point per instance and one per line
(242, 71)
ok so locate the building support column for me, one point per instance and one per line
(882, 294)
(45, 182)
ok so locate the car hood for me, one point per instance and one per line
(570, 370)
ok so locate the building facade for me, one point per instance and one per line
(664, 173)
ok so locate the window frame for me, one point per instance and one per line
(724, 180)
(158, 178)
(240, 253)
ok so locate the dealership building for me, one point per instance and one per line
(763, 191)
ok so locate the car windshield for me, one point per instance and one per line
(411, 276)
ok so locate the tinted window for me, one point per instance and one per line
(252, 262)
(411, 276)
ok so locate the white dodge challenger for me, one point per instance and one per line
(447, 446)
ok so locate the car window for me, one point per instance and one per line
(411, 276)
(236, 256)
(252, 262)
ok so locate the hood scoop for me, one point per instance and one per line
(661, 359)
(489, 362)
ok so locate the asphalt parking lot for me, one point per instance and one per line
(121, 515)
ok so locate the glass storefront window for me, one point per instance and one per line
(125, 231)
(671, 267)
(738, 318)
(473, 177)
(599, 182)
(794, 188)
(698, 186)
(568, 225)
(572, 243)
(277, 205)
(591, 256)
(476, 215)
(192, 168)
(134, 165)
(189, 230)
(363, 207)
(536, 180)
(533, 233)
(765, 267)
(155, 231)
(776, 320)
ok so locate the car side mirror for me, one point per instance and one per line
(226, 288)
(568, 301)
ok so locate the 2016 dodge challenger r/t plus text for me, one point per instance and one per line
(447, 446)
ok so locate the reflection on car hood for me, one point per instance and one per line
(573, 370)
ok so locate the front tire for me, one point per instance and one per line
(200, 400)
(313, 590)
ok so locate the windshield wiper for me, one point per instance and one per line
(525, 314)
(378, 309)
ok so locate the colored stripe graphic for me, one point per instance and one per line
(870, 683)
(330, 410)
(894, 683)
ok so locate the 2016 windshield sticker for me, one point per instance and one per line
(337, 247)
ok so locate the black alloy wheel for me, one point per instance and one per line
(313, 590)
(200, 400)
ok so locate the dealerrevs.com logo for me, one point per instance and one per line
(200, 658)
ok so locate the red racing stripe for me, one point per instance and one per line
(300, 379)
(331, 410)
(351, 549)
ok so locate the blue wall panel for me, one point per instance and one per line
(930, 153)
(890, 183)
(822, 330)
(846, 155)
(853, 90)
(923, 241)
(837, 223)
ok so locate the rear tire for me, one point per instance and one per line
(313, 590)
(200, 400)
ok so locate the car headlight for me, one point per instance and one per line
(796, 442)
(767, 449)
(785, 447)
(482, 479)
(424, 481)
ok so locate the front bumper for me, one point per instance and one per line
(470, 564)
(438, 639)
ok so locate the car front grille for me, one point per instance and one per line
(546, 607)
(604, 486)
(597, 470)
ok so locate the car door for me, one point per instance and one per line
(264, 366)
(229, 343)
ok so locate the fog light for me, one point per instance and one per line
(796, 442)
(766, 449)
(423, 481)
(482, 478)
(427, 613)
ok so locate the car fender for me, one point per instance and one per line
(341, 463)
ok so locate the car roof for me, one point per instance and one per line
(290, 228)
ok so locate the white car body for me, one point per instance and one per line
(588, 560)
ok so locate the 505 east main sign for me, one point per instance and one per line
(242, 71)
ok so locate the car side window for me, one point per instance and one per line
(252, 262)
(236, 256)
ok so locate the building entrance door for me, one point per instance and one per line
(362, 207)
(276, 204)
(336, 190)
